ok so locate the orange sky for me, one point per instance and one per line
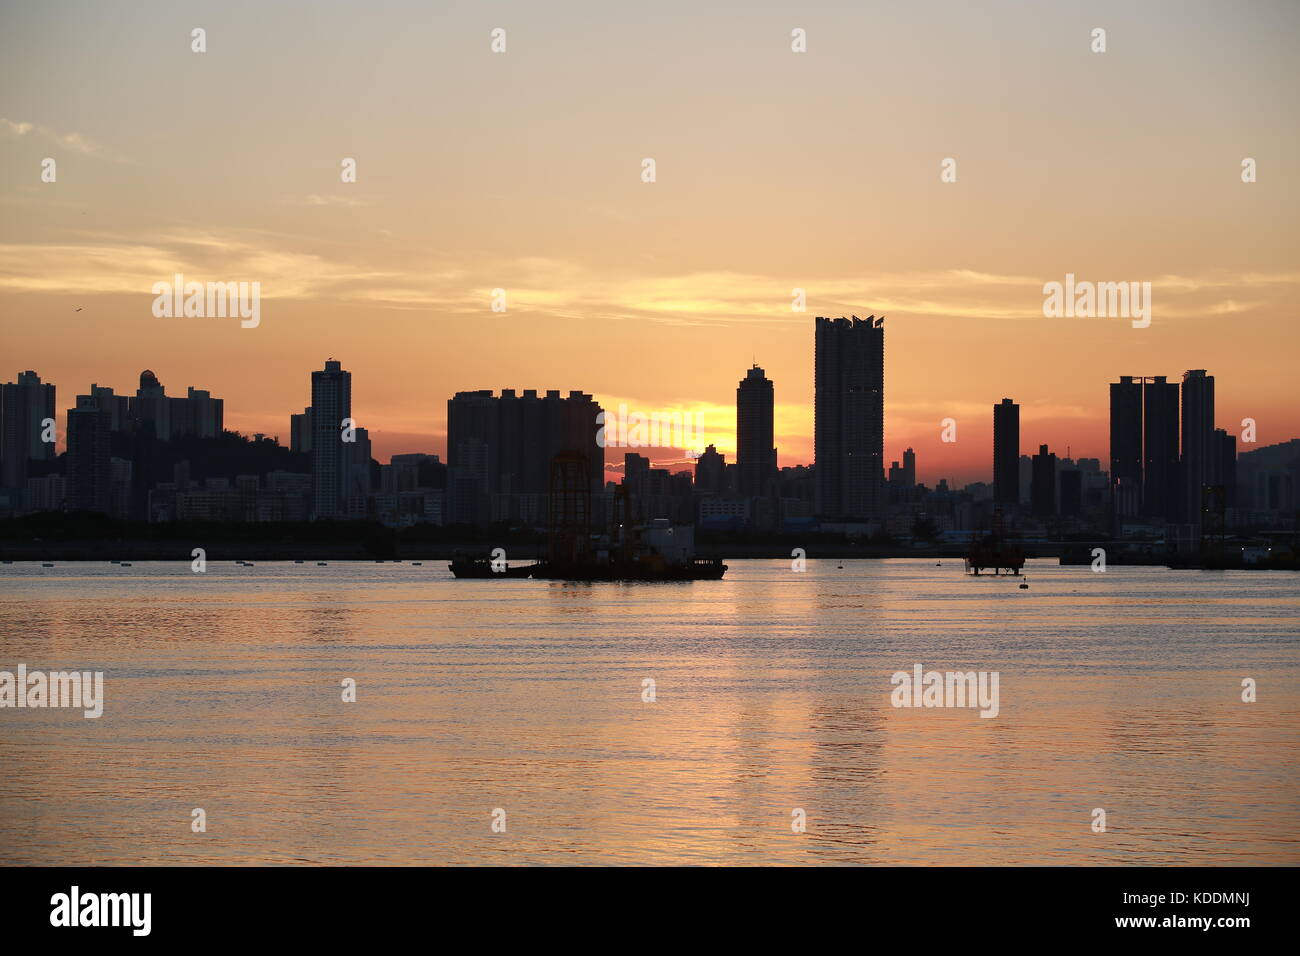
(775, 170)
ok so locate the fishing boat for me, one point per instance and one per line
(464, 566)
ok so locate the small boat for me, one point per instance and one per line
(417, 564)
(464, 567)
(124, 564)
(47, 564)
(298, 561)
(321, 564)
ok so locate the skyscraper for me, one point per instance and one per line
(710, 472)
(755, 454)
(1043, 488)
(89, 464)
(849, 417)
(1199, 461)
(197, 414)
(909, 469)
(1144, 447)
(1126, 439)
(499, 450)
(300, 432)
(150, 409)
(331, 405)
(24, 407)
(1226, 449)
(1161, 495)
(1006, 453)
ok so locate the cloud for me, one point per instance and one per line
(73, 141)
(400, 276)
(322, 201)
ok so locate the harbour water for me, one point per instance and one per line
(771, 694)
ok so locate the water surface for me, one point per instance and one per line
(1119, 691)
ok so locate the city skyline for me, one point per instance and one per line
(694, 271)
(1129, 453)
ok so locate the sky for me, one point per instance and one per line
(774, 170)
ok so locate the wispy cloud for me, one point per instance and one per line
(401, 277)
(74, 141)
(317, 200)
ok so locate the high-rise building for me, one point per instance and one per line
(1144, 447)
(849, 418)
(710, 472)
(117, 406)
(503, 446)
(1006, 453)
(90, 469)
(25, 406)
(909, 469)
(1226, 450)
(1042, 494)
(197, 414)
(1200, 463)
(1161, 495)
(1126, 438)
(331, 406)
(755, 453)
(1071, 481)
(300, 432)
(150, 410)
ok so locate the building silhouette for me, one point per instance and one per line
(500, 448)
(89, 465)
(849, 418)
(1144, 464)
(300, 432)
(1071, 501)
(331, 406)
(909, 469)
(24, 407)
(117, 406)
(1200, 459)
(1126, 444)
(1042, 493)
(1161, 488)
(710, 472)
(1006, 453)
(755, 454)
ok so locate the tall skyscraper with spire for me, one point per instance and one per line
(849, 418)
(755, 453)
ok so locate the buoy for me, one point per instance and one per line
(1024, 585)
